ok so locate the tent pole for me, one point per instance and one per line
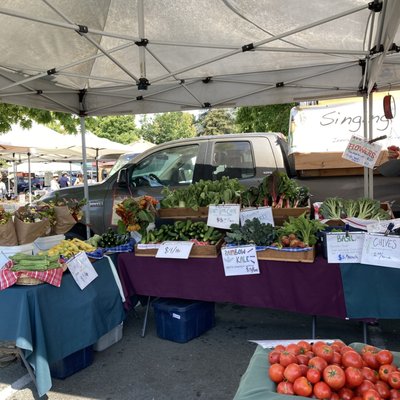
(29, 178)
(85, 181)
(365, 119)
(370, 136)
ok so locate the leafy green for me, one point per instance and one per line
(331, 208)
(252, 232)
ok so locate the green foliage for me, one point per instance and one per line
(271, 118)
(216, 122)
(252, 231)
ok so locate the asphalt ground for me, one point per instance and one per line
(206, 368)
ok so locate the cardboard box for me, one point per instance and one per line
(284, 255)
(182, 320)
(73, 363)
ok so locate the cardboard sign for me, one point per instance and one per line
(344, 249)
(174, 249)
(361, 152)
(381, 250)
(81, 269)
(223, 216)
(240, 260)
(263, 214)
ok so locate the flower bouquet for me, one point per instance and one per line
(31, 222)
(136, 214)
(8, 235)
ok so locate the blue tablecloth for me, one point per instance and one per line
(50, 323)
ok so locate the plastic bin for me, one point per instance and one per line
(46, 242)
(110, 338)
(11, 250)
(73, 363)
(182, 320)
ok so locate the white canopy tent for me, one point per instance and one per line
(104, 57)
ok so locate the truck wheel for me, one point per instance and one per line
(78, 231)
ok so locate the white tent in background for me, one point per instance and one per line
(41, 167)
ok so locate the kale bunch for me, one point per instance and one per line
(251, 232)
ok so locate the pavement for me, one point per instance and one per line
(208, 367)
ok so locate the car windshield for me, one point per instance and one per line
(122, 160)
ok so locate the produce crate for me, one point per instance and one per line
(71, 364)
(182, 213)
(287, 255)
(282, 214)
(207, 251)
(182, 320)
(46, 242)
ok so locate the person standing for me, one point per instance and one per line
(54, 185)
(78, 180)
(64, 180)
(3, 188)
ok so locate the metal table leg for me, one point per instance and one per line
(145, 317)
(313, 326)
(365, 332)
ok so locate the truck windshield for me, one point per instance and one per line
(122, 160)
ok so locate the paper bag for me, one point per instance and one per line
(28, 232)
(8, 235)
(64, 220)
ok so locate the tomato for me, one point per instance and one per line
(337, 345)
(354, 376)
(366, 385)
(383, 389)
(273, 357)
(292, 372)
(371, 394)
(302, 359)
(394, 379)
(384, 357)
(302, 387)
(394, 394)
(345, 393)
(317, 362)
(357, 398)
(286, 358)
(275, 372)
(334, 396)
(352, 359)
(369, 349)
(325, 352)
(304, 346)
(304, 369)
(370, 358)
(337, 358)
(313, 375)
(322, 391)
(385, 370)
(369, 374)
(285, 388)
(345, 348)
(280, 348)
(334, 376)
(293, 348)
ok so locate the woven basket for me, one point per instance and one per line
(24, 279)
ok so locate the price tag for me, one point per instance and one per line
(361, 152)
(174, 249)
(263, 214)
(81, 269)
(223, 216)
(381, 250)
(344, 249)
(240, 260)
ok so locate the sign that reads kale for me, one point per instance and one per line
(240, 260)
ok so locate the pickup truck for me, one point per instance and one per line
(249, 157)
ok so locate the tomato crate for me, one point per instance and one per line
(291, 255)
(206, 251)
(182, 212)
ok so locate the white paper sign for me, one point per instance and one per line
(381, 250)
(344, 249)
(361, 152)
(81, 269)
(263, 214)
(223, 216)
(240, 260)
(381, 226)
(174, 249)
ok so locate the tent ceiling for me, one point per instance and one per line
(193, 53)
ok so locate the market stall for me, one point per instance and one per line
(50, 323)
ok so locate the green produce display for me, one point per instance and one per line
(183, 230)
(28, 262)
(110, 238)
(252, 232)
(336, 208)
(203, 193)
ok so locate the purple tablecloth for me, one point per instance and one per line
(314, 289)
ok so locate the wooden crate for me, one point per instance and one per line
(291, 256)
(183, 213)
(207, 251)
(282, 214)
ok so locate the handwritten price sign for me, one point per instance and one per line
(361, 152)
(174, 249)
(344, 249)
(223, 216)
(381, 250)
(240, 260)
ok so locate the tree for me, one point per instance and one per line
(271, 118)
(168, 126)
(216, 122)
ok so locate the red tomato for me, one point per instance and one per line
(273, 357)
(293, 348)
(302, 387)
(302, 359)
(385, 370)
(317, 362)
(334, 396)
(286, 358)
(366, 385)
(337, 345)
(394, 394)
(304, 346)
(383, 389)
(322, 391)
(371, 394)
(279, 347)
(370, 358)
(357, 398)
(313, 375)
(334, 376)
(352, 359)
(369, 349)
(275, 372)
(394, 379)
(325, 352)
(345, 393)
(345, 348)
(354, 376)
(337, 358)
(369, 374)
(304, 369)
(285, 388)
(292, 372)
(384, 357)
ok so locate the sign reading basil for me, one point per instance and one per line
(240, 260)
(342, 248)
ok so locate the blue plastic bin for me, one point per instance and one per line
(73, 363)
(182, 320)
